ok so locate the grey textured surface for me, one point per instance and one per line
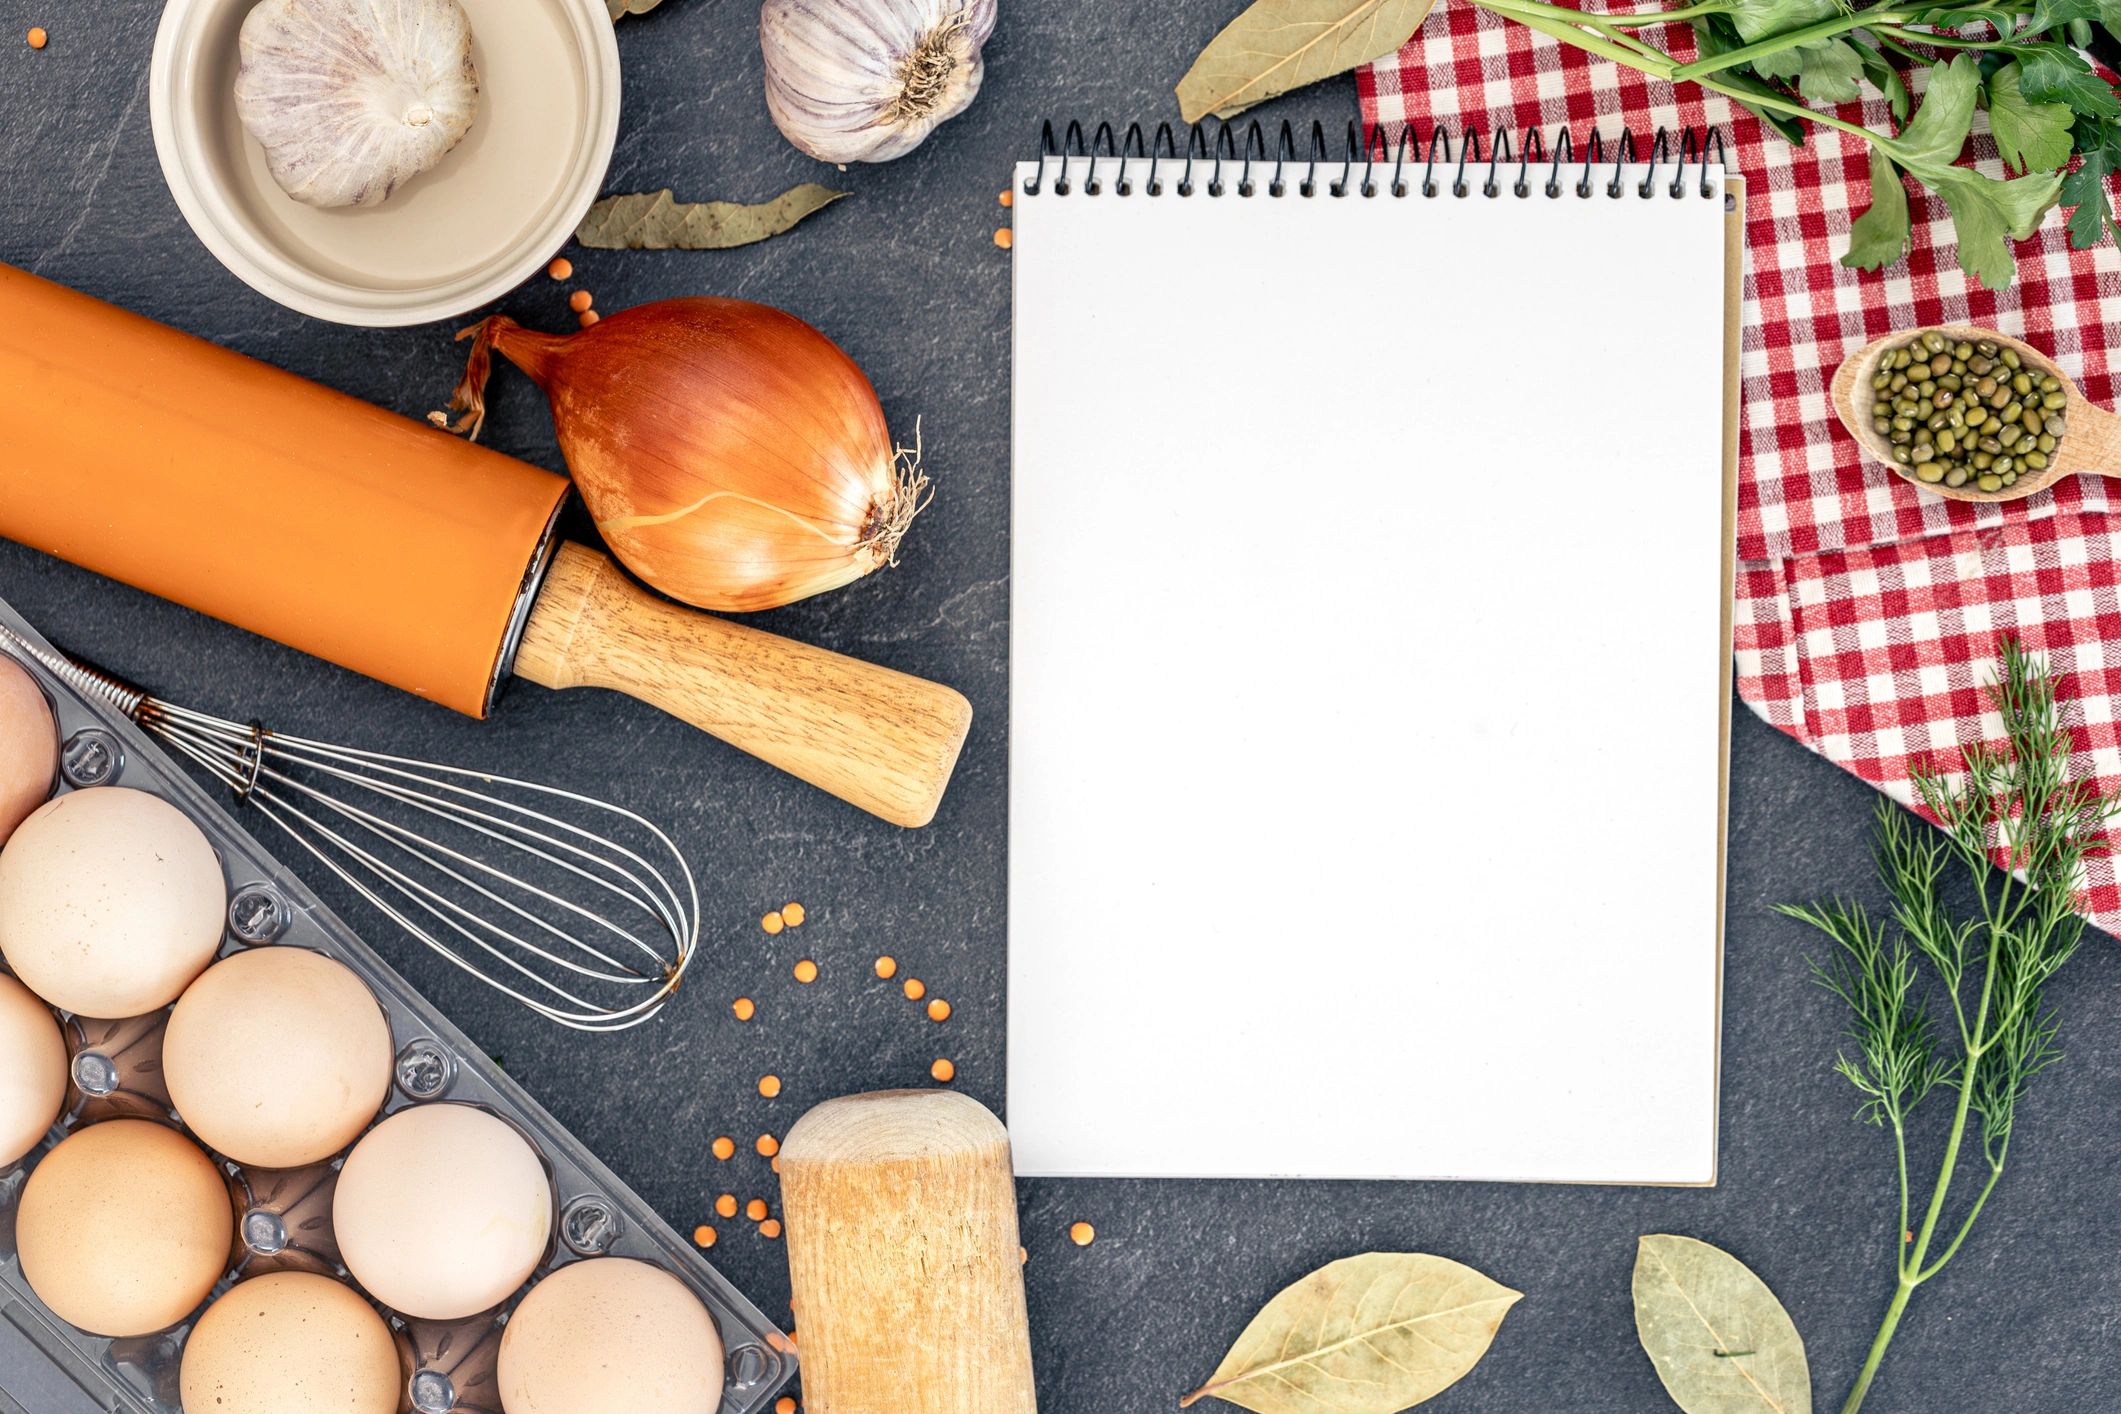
(906, 277)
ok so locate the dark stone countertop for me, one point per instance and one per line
(905, 275)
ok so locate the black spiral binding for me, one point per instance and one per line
(1375, 152)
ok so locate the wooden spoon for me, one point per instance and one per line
(2091, 445)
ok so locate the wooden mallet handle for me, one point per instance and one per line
(878, 739)
(902, 1248)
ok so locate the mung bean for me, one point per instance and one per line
(1966, 412)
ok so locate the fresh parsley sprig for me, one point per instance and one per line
(2015, 806)
(2018, 59)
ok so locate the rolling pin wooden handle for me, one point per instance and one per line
(903, 1256)
(878, 739)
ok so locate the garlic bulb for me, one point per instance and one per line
(350, 98)
(867, 80)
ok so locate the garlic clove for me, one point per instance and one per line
(868, 80)
(352, 98)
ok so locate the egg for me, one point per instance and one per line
(442, 1211)
(111, 901)
(32, 1070)
(278, 1057)
(29, 746)
(290, 1341)
(124, 1228)
(611, 1336)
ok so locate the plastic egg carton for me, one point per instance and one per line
(283, 1217)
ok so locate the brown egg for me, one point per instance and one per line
(287, 1342)
(278, 1057)
(611, 1336)
(111, 901)
(442, 1211)
(32, 1070)
(29, 746)
(124, 1228)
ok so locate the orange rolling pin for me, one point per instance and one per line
(391, 548)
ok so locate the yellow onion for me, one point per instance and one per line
(733, 457)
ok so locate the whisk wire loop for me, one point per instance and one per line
(590, 925)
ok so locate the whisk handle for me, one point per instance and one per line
(878, 739)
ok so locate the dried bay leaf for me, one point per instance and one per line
(620, 9)
(657, 221)
(1372, 1334)
(1720, 1340)
(1277, 45)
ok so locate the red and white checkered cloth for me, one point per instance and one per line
(1867, 612)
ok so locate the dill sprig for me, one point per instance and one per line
(2014, 819)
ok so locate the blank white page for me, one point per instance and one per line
(1367, 682)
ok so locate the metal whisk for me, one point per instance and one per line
(465, 877)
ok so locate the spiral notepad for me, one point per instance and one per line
(1370, 654)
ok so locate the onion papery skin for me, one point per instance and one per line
(733, 457)
(837, 71)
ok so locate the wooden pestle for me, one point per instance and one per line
(902, 1247)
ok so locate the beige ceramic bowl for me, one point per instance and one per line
(448, 241)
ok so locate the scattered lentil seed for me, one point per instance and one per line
(915, 989)
(806, 971)
(1004, 238)
(770, 1229)
(580, 301)
(1008, 198)
(725, 1148)
(769, 1086)
(587, 318)
(745, 1008)
(561, 269)
(1023, 1256)
(703, 1235)
(1082, 1234)
(938, 1010)
(887, 967)
(784, 1405)
(726, 1205)
(773, 922)
(37, 37)
(793, 915)
(944, 1071)
(756, 1210)
(768, 1146)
